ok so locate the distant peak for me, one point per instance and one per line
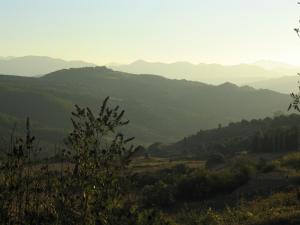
(95, 68)
(228, 85)
(83, 70)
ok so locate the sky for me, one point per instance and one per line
(122, 31)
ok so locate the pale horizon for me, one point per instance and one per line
(102, 32)
(2, 57)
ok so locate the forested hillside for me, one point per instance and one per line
(160, 109)
(269, 135)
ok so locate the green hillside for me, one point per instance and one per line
(159, 109)
(277, 135)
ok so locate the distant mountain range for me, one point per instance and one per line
(265, 74)
(207, 73)
(36, 65)
(285, 85)
(271, 65)
(159, 109)
(212, 73)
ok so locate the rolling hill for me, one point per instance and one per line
(159, 109)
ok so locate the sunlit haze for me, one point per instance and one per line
(122, 31)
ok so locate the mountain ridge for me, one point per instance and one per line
(207, 73)
(159, 109)
(36, 65)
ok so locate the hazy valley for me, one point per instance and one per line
(160, 109)
(149, 112)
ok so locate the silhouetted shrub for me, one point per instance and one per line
(91, 186)
(214, 160)
(158, 194)
(291, 161)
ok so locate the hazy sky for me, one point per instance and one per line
(104, 31)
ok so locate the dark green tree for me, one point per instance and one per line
(296, 96)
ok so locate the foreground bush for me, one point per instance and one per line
(91, 187)
(158, 195)
(291, 161)
(202, 185)
(180, 184)
(278, 209)
(215, 159)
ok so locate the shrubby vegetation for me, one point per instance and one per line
(278, 209)
(90, 181)
(265, 166)
(215, 159)
(269, 135)
(89, 186)
(180, 184)
(291, 161)
(185, 190)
